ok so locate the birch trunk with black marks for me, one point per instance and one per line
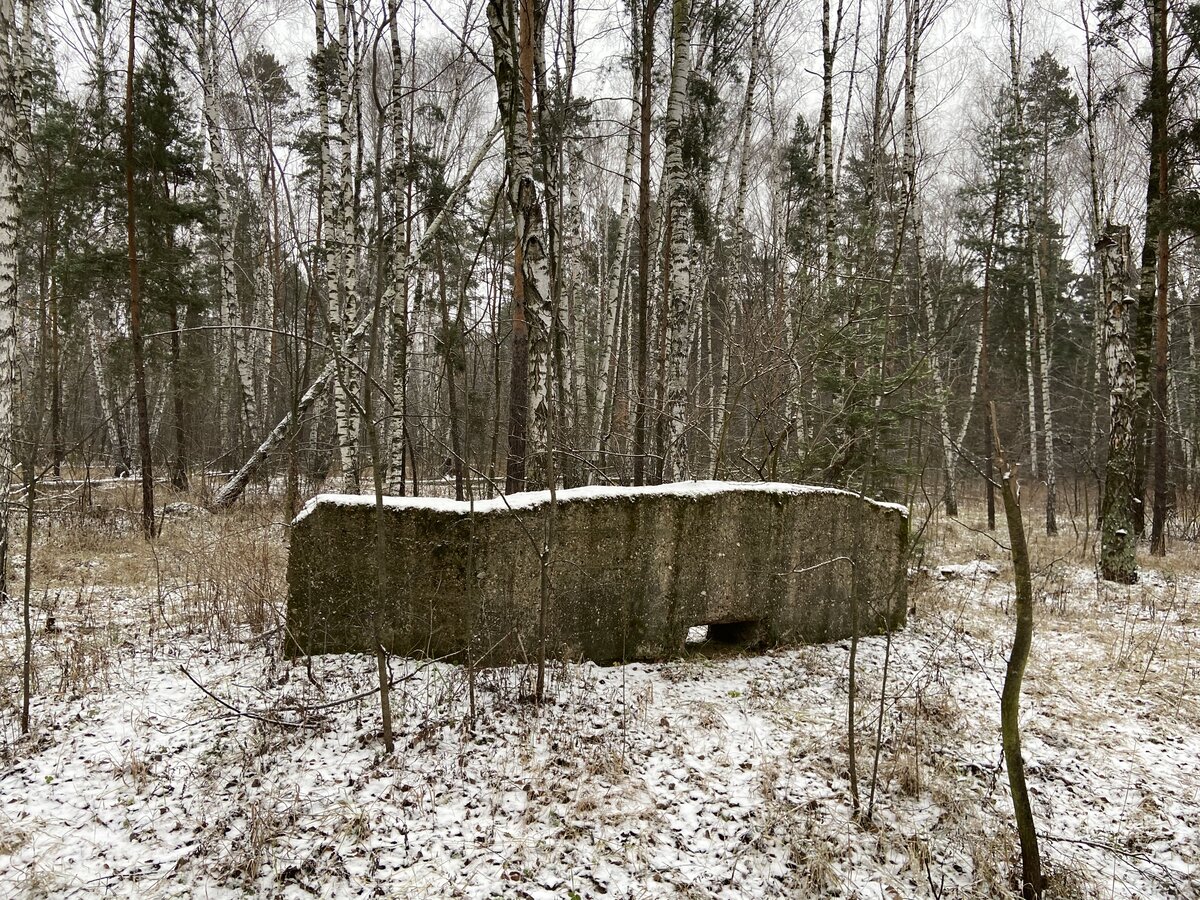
(343, 251)
(1098, 205)
(396, 290)
(675, 177)
(10, 215)
(1042, 334)
(532, 248)
(1015, 37)
(1154, 257)
(1118, 561)
(1030, 380)
(1161, 149)
(644, 52)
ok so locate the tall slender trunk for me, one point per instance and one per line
(740, 281)
(1143, 337)
(1160, 112)
(829, 39)
(512, 44)
(1015, 42)
(1032, 885)
(10, 211)
(396, 291)
(645, 53)
(984, 387)
(1099, 313)
(1189, 424)
(1179, 426)
(1118, 539)
(616, 282)
(343, 229)
(912, 59)
(1031, 382)
(179, 472)
(450, 349)
(263, 306)
(135, 298)
(1041, 332)
(108, 409)
(330, 67)
(676, 178)
(53, 354)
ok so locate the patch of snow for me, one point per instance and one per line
(535, 499)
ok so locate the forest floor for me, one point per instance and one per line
(173, 752)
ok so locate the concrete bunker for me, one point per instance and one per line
(760, 564)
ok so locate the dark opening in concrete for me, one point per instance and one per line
(739, 634)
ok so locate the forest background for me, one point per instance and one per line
(523, 241)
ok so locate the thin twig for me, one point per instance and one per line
(241, 712)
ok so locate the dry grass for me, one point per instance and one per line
(98, 587)
(224, 571)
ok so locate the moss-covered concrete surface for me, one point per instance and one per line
(631, 569)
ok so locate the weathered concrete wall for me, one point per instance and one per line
(632, 570)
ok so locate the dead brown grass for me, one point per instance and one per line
(223, 570)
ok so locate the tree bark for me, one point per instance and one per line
(676, 463)
(1118, 561)
(1160, 113)
(645, 53)
(135, 298)
(10, 212)
(511, 43)
(1010, 696)
(1041, 332)
(912, 59)
(179, 472)
(341, 252)
(396, 291)
(1099, 312)
(616, 283)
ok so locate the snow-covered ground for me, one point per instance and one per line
(709, 776)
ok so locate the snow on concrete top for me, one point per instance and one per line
(533, 499)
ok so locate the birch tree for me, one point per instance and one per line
(344, 239)
(10, 212)
(396, 291)
(1118, 537)
(676, 191)
(511, 41)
